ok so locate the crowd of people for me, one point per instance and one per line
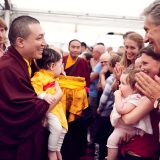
(53, 105)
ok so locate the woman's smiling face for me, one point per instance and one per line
(149, 65)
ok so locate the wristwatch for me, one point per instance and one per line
(157, 103)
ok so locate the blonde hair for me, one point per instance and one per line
(140, 43)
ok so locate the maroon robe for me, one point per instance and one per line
(75, 140)
(22, 136)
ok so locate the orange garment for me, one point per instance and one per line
(43, 81)
(70, 62)
(74, 95)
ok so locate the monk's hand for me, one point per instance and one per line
(148, 86)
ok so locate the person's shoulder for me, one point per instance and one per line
(65, 57)
(82, 61)
(97, 68)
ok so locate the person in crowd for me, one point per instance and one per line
(109, 49)
(22, 135)
(104, 109)
(147, 85)
(75, 141)
(3, 30)
(138, 62)
(98, 50)
(133, 42)
(146, 146)
(152, 28)
(104, 73)
(121, 50)
(84, 47)
(44, 83)
(87, 56)
(126, 99)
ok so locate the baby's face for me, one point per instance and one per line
(125, 87)
(57, 68)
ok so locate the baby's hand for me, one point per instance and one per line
(50, 98)
(117, 92)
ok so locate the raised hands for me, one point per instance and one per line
(148, 86)
(118, 70)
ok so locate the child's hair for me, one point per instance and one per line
(48, 56)
(114, 59)
(130, 79)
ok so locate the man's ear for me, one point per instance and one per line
(20, 42)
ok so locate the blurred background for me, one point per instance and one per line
(87, 20)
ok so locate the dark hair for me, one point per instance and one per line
(150, 52)
(48, 56)
(74, 40)
(84, 44)
(88, 55)
(100, 43)
(20, 28)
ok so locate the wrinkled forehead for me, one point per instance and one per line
(75, 44)
(148, 22)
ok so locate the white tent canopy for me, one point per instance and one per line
(86, 20)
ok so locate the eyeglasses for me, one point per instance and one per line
(104, 62)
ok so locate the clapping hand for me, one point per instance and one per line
(148, 86)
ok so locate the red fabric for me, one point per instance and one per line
(81, 70)
(49, 85)
(147, 146)
(21, 112)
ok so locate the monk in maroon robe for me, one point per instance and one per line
(22, 136)
(21, 111)
(75, 141)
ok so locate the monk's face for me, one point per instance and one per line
(75, 49)
(34, 44)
